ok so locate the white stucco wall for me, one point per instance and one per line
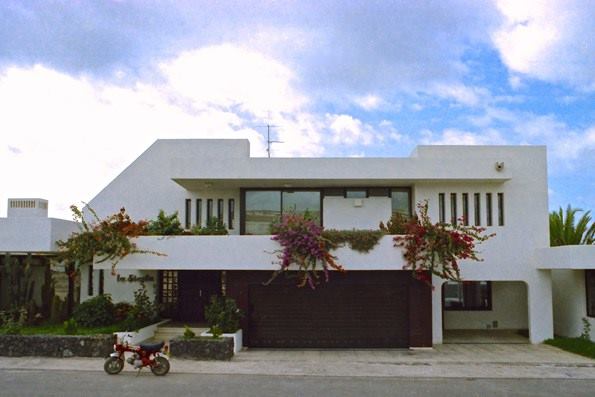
(509, 310)
(121, 291)
(570, 303)
(171, 171)
(348, 213)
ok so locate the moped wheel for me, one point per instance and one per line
(113, 365)
(161, 366)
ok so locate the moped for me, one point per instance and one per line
(142, 356)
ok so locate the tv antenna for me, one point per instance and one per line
(269, 141)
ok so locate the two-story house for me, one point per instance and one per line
(375, 303)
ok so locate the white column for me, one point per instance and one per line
(437, 337)
(541, 319)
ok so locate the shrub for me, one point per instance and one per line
(12, 322)
(144, 312)
(358, 240)
(95, 312)
(121, 310)
(397, 224)
(222, 315)
(215, 227)
(165, 225)
(70, 327)
(188, 333)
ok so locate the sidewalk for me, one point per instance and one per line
(443, 361)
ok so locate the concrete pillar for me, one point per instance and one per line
(541, 319)
(437, 337)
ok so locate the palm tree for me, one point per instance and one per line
(565, 231)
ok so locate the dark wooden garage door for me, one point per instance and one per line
(356, 311)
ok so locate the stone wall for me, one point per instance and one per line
(202, 348)
(56, 345)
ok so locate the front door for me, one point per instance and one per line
(195, 287)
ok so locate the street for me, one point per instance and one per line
(22, 382)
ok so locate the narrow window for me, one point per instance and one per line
(101, 282)
(356, 193)
(220, 209)
(477, 208)
(453, 209)
(489, 209)
(466, 209)
(590, 287)
(441, 215)
(500, 209)
(467, 295)
(187, 211)
(378, 192)
(334, 192)
(209, 210)
(90, 281)
(401, 201)
(231, 203)
(198, 212)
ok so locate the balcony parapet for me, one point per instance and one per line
(566, 257)
(241, 253)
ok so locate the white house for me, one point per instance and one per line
(28, 239)
(375, 303)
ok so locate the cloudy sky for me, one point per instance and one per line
(86, 86)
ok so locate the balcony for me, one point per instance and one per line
(241, 253)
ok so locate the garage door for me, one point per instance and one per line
(359, 310)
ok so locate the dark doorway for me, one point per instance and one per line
(195, 287)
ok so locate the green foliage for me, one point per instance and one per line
(214, 227)
(95, 312)
(70, 327)
(216, 331)
(57, 310)
(566, 230)
(586, 334)
(579, 345)
(19, 280)
(436, 248)
(143, 312)
(222, 313)
(107, 239)
(13, 321)
(121, 310)
(358, 240)
(397, 224)
(165, 225)
(188, 333)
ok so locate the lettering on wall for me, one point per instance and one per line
(132, 278)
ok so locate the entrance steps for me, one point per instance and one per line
(168, 331)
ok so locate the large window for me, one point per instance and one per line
(467, 295)
(263, 207)
(401, 201)
(590, 286)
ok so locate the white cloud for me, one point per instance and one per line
(550, 40)
(347, 130)
(453, 136)
(369, 102)
(465, 95)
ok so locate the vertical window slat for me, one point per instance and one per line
(488, 209)
(453, 209)
(466, 209)
(187, 211)
(477, 208)
(199, 212)
(500, 209)
(441, 209)
(231, 203)
(209, 210)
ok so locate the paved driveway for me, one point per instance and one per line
(449, 361)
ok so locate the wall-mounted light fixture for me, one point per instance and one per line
(499, 165)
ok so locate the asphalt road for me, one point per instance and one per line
(85, 383)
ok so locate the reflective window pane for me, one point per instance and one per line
(304, 202)
(400, 202)
(262, 209)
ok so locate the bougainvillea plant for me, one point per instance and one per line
(107, 239)
(303, 246)
(436, 248)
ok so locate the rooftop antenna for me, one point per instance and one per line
(269, 139)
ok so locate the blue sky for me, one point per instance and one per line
(85, 87)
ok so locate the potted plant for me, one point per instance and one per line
(223, 318)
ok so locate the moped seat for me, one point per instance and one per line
(152, 348)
